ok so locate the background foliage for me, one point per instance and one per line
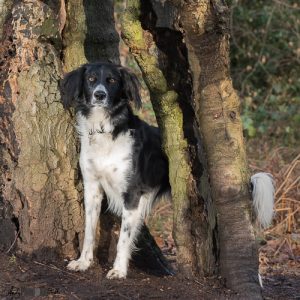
(265, 57)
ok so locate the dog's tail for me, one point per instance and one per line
(263, 197)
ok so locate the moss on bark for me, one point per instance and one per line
(90, 33)
(216, 107)
(170, 119)
(74, 35)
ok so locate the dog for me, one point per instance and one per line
(122, 157)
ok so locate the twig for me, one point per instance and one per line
(274, 153)
(282, 222)
(58, 269)
(293, 185)
(162, 208)
(280, 246)
(198, 282)
(292, 162)
(291, 200)
(123, 296)
(16, 237)
(286, 175)
(290, 248)
(282, 209)
(75, 296)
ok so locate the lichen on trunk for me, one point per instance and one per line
(194, 34)
(187, 204)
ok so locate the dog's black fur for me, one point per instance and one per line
(150, 165)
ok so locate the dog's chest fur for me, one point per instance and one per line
(104, 159)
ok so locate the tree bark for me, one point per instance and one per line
(38, 145)
(192, 205)
(89, 34)
(217, 108)
(182, 48)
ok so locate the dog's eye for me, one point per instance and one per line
(111, 80)
(92, 78)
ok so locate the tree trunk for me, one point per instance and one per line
(217, 108)
(182, 48)
(194, 216)
(38, 145)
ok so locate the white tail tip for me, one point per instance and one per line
(263, 197)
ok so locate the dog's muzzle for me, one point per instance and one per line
(100, 96)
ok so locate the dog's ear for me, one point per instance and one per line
(131, 87)
(71, 87)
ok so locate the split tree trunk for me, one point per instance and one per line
(182, 49)
(194, 214)
(184, 59)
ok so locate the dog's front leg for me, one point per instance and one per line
(93, 195)
(131, 223)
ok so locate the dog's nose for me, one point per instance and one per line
(100, 95)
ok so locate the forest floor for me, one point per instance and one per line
(22, 278)
(30, 278)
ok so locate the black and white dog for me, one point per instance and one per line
(122, 157)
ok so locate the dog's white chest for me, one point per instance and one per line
(106, 160)
(105, 155)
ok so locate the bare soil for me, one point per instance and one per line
(24, 278)
(30, 279)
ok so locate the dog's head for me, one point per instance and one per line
(100, 85)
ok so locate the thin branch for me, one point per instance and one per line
(11, 246)
(58, 269)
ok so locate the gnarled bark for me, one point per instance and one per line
(192, 206)
(37, 138)
(197, 107)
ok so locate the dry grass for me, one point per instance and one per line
(280, 252)
(284, 164)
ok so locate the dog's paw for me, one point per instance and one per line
(78, 265)
(115, 274)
